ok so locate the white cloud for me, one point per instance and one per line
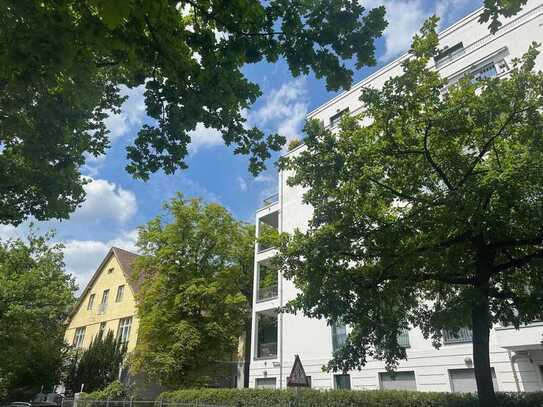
(204, 137)
(450, 11)
(264, 178)
(404, 17)
(82, 257)
(132, 112)
(106, 201)
(131, 117)
(284, 109)
(242, 184)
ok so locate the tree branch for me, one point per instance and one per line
(488, 144)
(522, 261)
(429, 158)
(399, 193)
(518, 242)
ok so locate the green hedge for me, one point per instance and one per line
(113, 391)
(342, 398)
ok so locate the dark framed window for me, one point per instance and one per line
(342, 381)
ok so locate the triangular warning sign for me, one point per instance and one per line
(297, 376)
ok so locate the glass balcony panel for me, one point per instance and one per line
(266, 346)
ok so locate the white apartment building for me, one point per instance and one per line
(516, 356)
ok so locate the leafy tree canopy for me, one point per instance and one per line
(496, 8)
(97, 366)
(35, 297)
(61, 64)
(427, 211)
(196, 294)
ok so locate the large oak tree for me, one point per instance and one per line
(427, 211)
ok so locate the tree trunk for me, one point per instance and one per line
(481, 352)
(247, 354)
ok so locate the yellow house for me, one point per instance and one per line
(107, 303)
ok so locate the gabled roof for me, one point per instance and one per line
(125, 259)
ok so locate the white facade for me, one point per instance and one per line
(516, 356)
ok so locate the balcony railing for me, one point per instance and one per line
(266, 293)
(270, 200)
(267, 350)
(463, 335)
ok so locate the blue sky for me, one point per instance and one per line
(117, 204)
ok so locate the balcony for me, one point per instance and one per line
(267, 277)
(267, 226)
(270, 200)
(266, 335)
(267, 293)
(463, 335)
(267, 350)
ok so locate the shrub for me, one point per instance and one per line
(342, 398)
(113, 391)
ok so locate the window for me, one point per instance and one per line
(123, 333)
(486, 71)
(91, 302)
(267, 282)
(265, 383)
(448, 54)
(397, 381)
(102, 329)
(120, 293)
(335, 119)
(105, 297)
(403, 339)
(79, 337)
(463, 380)
(266, 338)
(342, 381)
(339, 335)
(462, 335)
(110, 270)
(103, 304)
